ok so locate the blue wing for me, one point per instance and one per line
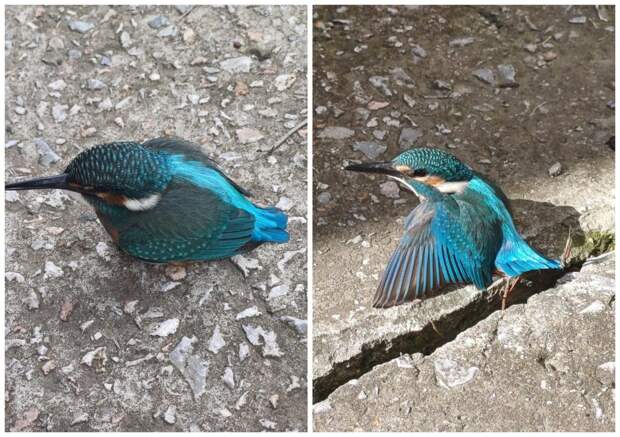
(188, 163)
(448, 240)
(188, 224)
(190, 152)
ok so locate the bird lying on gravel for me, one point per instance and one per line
(165, 201)
(462, 231)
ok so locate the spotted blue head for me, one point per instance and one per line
(117, 173)
(431, 166)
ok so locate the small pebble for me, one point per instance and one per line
(245, 264)
(158, 22)
(335, 133)
(390, 189)
(278, 291)
(103, 250)
(32, 300)
(249, 312)
(485, 75)
(442, 85)
(65, 311)
(80, 26)
(324, 197)
(229, 378)
(244, 352)
(550, 56)
(555, 170)
(176, 272)
(48, 367)
(125, 40)
(273, 400)
(95, 84)
(52, 270)
(284, 203)
(578, 20)
(47, 156)
(507, 73)
(170, 415)
(166, 328)
(189, 36)
(183, 9)
(370, 149)
(217, 341)
(170, 31)
(284, 81)
(79, 418)
(57, 85)
(461, 42)
(237, 65)
(248, 135)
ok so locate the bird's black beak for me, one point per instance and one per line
(47, 182)
(386, 167)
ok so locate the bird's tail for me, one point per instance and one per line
(270, 225)
(516, 257)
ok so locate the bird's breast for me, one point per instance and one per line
(107, 225)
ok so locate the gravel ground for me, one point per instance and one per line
(94, 339)
(524, 95)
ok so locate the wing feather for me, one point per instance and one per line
(446, 242)
(191, 152)
(180, 230)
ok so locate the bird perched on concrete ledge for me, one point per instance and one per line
(461, 233)
(165, 201)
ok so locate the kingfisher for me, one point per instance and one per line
(462, 232)
(165, 201)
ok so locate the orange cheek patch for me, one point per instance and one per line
(113, 199)
(404, 169)
(433, 180)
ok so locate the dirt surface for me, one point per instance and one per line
(82, 319)
(390, 78)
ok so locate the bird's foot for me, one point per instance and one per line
(510, 285)
(176, 270)
(435, 329)
(567, 249)
(497, 287)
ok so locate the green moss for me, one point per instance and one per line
(591, 244)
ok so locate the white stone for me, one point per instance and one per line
(217, 341)
(166, 328)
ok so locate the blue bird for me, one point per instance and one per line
(462, 231)
(165, 201)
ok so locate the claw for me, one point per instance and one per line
(496, 288)
(435, 329)
(510, 285)
(567, 249)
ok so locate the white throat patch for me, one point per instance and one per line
(452, 187)
(445, 187)
(142, 204)
(404, 182)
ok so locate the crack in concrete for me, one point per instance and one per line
(436, 334)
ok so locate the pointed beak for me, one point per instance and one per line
(386, 167)
(48, 182)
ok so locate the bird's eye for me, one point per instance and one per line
(419, 172)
